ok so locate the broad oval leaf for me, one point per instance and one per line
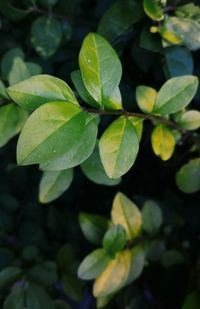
(188, 177)
(9, 275)
(80, 151)
(118, 147)
(175, 94)
(46, 35)
(12, 119)
(100, 67)
(146, 97)
(126, 213)
(163, 142)
(115, 275)
(189, 120)
(50, 131)
(40, 89)
(114, 239)
(15, 299)
(53, 184)
(94, 170)
(153, 9)
(93, 264)
(151, 217)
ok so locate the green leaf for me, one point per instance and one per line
(40, 139)
(15, 299)
(12, 12)
(19, 71)
(137, 264)
(153, 9)
(12, 119)
(189, 120)
(41, 89)
(100, 67)
(191, 301)
(118, 147)
(8, 59)
(151, 217)
(93, 227)
(114, 101)
(81, 89)
(188, 177)
(53, 184)
(171, 257)
(146, 97)
(37, 298)
(114, 277)
(44, 274)
(34, 68)
(94, 170)
(73, 287)
(9, 275)
(137, 123)
(179, 61)
(115, 239)
(175, 94)
(59, 304)
(163, 142)
(3, 91)
(119, 18)
(126, 213)
(46, 35)
(77, 154)
(93, 264)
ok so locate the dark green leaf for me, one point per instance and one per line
(115, 239)
(188, 177)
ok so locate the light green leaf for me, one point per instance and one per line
(119, 18)
(188, 177)
(189, 120)
(37, 298)
(8, 59)
(93, 264)
(50, 131)
(118, 147)
(175, 94)
(114, 239)
(163, 142)
(93, 227)
(192, 301)
(115, 100)
(34, 68)
(137, 123)
(41, 89)
(126, 213)
(153, 9)
(145, 97)
(151, 217)
(79, 152)
(9, 275)
(15, 299)
(115, 276)
(100, 67)
(53, 184)
(179, 61)
(46, 35)
(12, 119)
(94, 170)
(81, 89)
(19, 71)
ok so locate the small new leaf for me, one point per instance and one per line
(146, 97)
(115, 239)
(153, 9)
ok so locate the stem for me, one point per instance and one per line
(130, 114)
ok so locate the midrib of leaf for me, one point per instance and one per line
(126, 218)
(98, 66)
(120, 143)
(94, 264)
(166, 102)
(35, 148)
